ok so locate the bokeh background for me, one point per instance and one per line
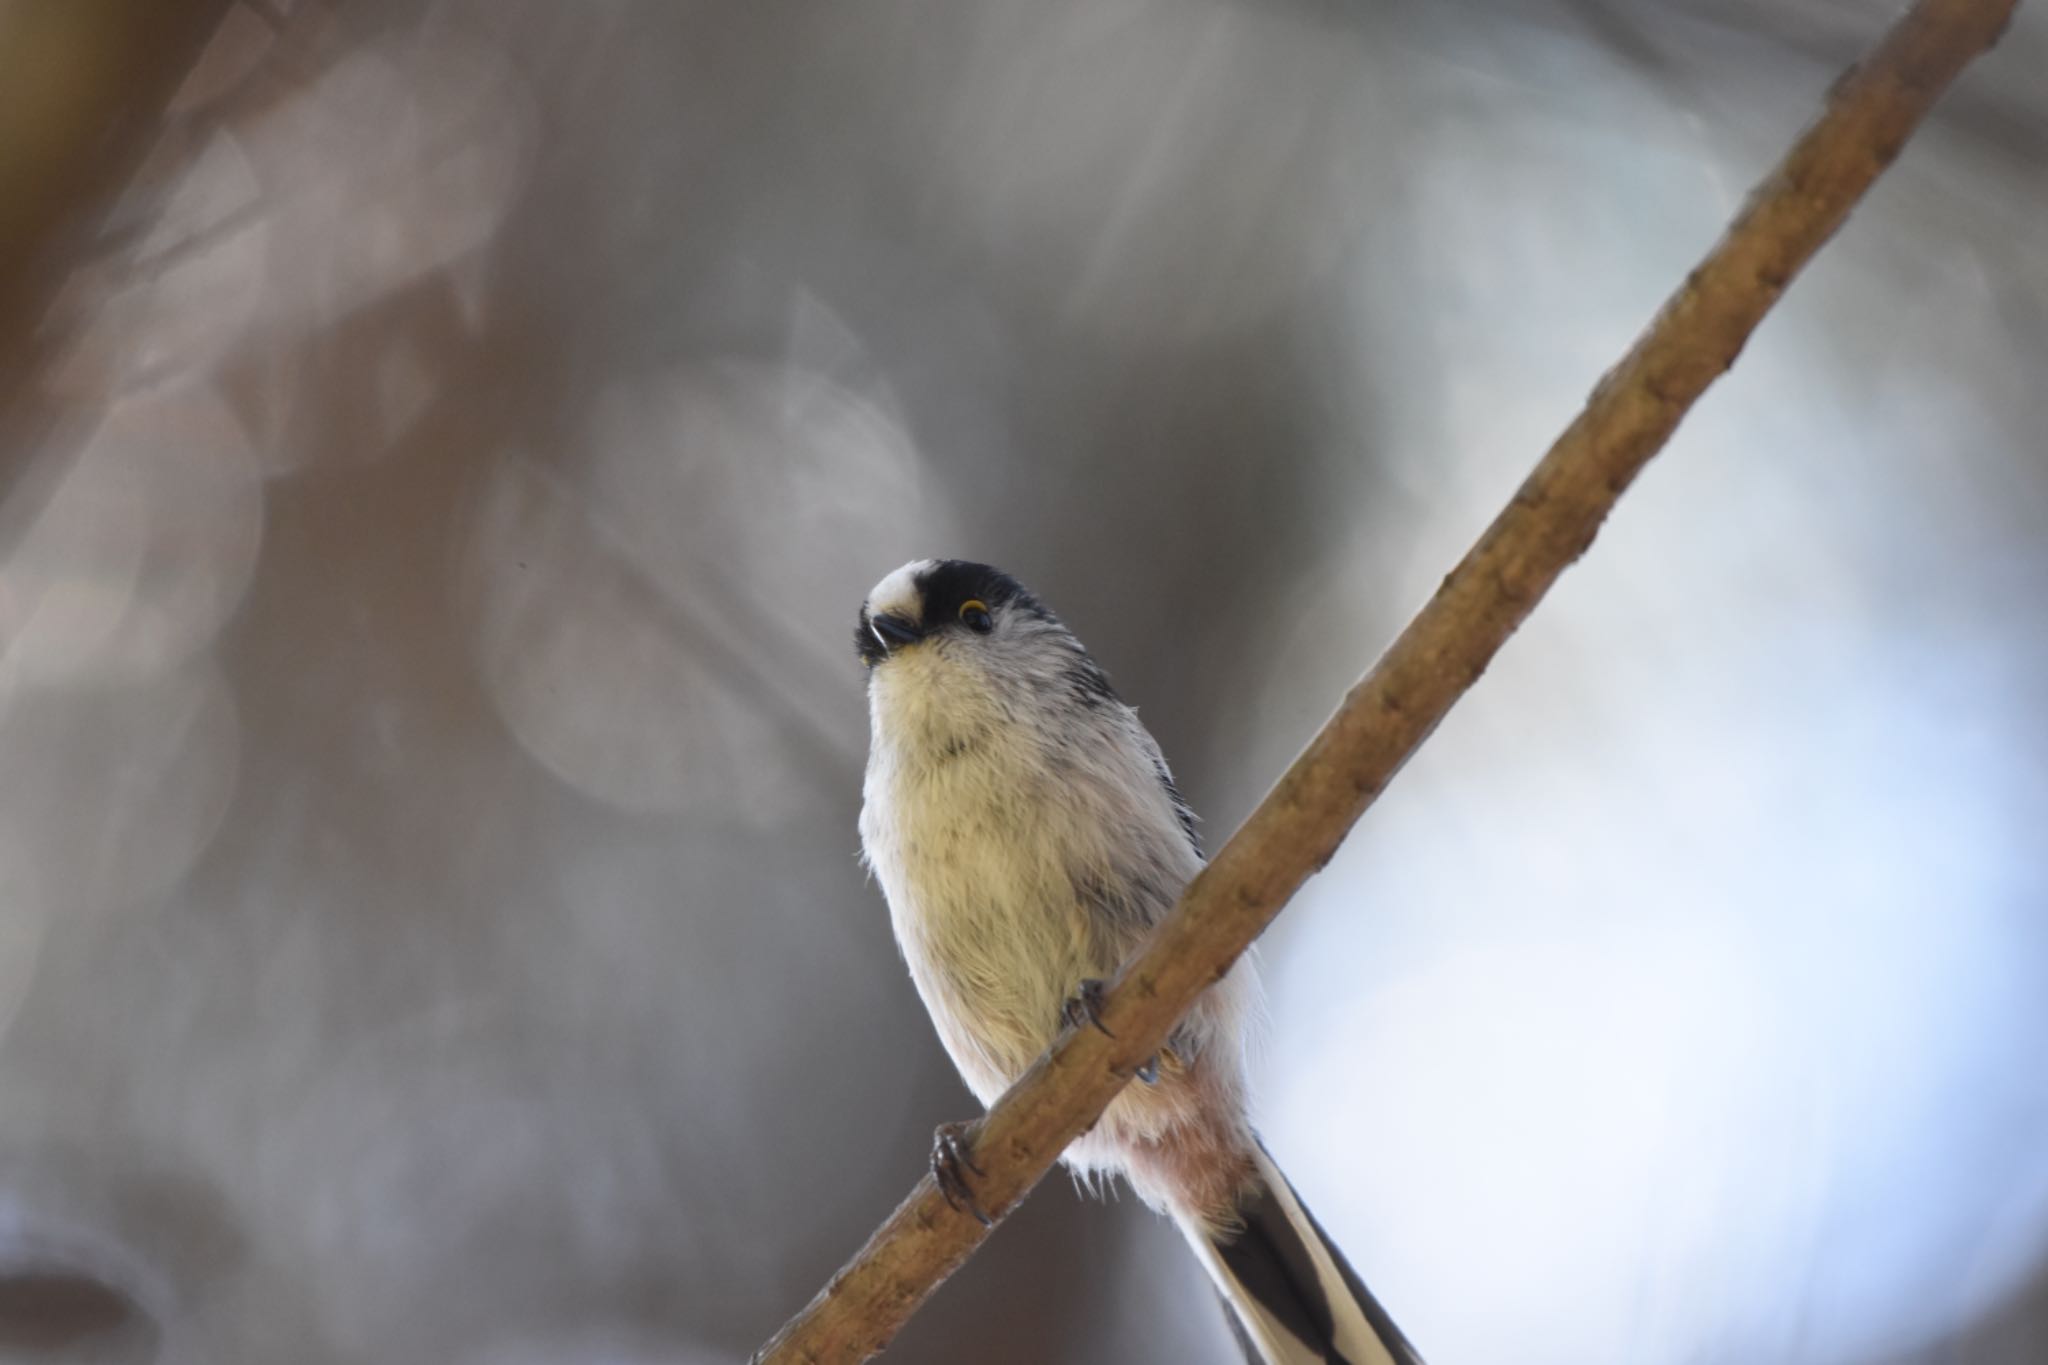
(442, 465)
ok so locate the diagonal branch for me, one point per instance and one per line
(1549, 524)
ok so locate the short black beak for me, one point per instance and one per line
(894, 631)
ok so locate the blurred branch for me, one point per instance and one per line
(86, 82)
(1694, 338)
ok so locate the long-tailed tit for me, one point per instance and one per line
(1027, 833)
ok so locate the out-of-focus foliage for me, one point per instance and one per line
(430, 928)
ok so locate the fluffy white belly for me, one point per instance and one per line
(1017, 863)
(986, 888)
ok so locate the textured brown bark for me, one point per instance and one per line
(85, 83)
(1295, 830)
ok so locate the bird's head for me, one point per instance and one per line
(969, 631)
(948, 604)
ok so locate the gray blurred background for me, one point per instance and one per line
(435, 513)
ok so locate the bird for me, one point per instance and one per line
(1026, 832)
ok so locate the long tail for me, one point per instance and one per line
(1292, 1297)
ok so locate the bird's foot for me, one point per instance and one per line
(1084, 1006)
(952, 1162)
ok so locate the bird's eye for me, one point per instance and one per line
(975, 614)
